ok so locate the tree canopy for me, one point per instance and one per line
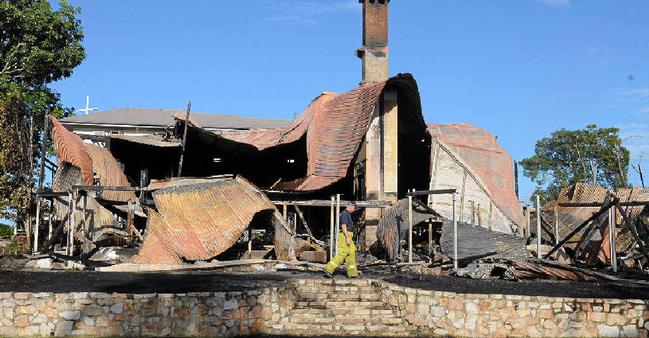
(593, 155)
(38, 45)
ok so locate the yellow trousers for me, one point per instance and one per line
(347, 254)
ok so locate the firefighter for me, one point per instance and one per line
(346, 247)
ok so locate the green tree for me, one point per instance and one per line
(592, 155)
(38, 45)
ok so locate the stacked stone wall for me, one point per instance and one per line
(319, 307)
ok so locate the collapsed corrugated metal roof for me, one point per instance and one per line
(69, 148)
(91, 160)
(334, 125)
(470, 160)
(200, 219)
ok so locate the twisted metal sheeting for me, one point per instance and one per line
(198, 220)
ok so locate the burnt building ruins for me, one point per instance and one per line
(180, 186)
(144, 176)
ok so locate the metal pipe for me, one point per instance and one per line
(455, 264)
(409, 229)
(332, 222)
(538, 226)
(337, 220)
(611, 237)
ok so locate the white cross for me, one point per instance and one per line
(87, 109)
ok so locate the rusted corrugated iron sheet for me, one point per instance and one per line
(69, 148)
(264, 139)
(335, 125)
(110, 174)
(198, 220)
(486, 162)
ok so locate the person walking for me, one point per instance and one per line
(346, 247)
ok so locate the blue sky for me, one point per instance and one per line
(517, 68)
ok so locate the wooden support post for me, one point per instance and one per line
(332, 222)
(38, 223)
(611, 234)
(303, 219)
(85, 216)
(28, 230)
(73, 226)
(49, 220)
(285, 212)
(455, 263)
(556, 225)
(70, 212)
(249, 242)
(491, 207)
(184, 140)
(337, 220)
(472, 212)
(409, 229)
(430, 238)
(479, 214)
(528, 219)
(538, 226)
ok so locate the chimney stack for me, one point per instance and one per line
(375, 40)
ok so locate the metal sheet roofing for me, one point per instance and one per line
(198, 220)
(335, 125)
(69, 148)
(486, 159)
(165, 117)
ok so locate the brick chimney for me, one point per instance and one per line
(375, 40)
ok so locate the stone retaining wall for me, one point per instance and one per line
(309, 307)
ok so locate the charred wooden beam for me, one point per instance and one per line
(601, 211)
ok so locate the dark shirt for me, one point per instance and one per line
(346, 218)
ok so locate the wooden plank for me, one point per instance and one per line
(301, 216)
(432, 192)
(326, 203)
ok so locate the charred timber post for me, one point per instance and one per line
(184, 141)
(634, 231)
(337, 220)
(38, 223)
(430, 238)
(331, 228)
(538, 226)
(49, 220)
(41, 173)
(603, 209)
(455, 264)
(410, 228)
(556, 225)
(528, 219)
(611, 237)
(472, 212)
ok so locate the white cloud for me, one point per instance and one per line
(638, 93)
(556, 3)
(307, 12)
